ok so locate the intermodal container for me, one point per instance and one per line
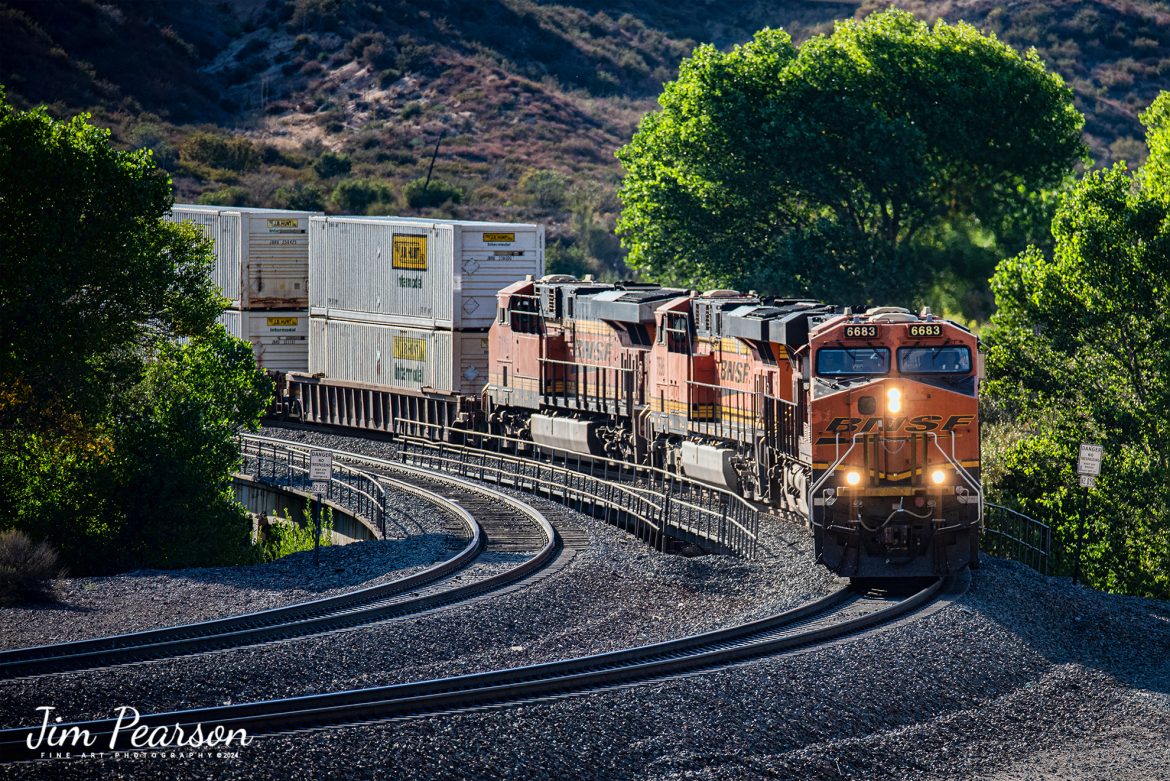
(398, 357)
(280, 339)
(261, 255)
(420, 273)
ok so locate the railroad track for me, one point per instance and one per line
(843, 614)
(490, 520)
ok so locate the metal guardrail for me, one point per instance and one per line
(653, 504)
(1013, 535)
(287, 466)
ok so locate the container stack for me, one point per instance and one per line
(407, 303)
(262, 266)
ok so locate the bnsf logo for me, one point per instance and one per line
(733, 371)
(595, 352)
(915, 425)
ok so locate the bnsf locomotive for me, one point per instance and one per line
(867, 424)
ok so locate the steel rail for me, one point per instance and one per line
(811, 625)
(343, 611)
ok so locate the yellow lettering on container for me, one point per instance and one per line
(409, 348)
(409, 252)
(496, 238)
(283, 225)
(279, 321)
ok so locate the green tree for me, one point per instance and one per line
(1077, 352)
(842, 169)
(107, 329)
(1155, 173)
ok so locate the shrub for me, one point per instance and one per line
(225, 196)
(155, 137)
(308, 197)
(420, 195)
(354, 196)
(383, 209)
(232, 154)
(283, 536)
(546, 189)
(332, 164)
(26, 568)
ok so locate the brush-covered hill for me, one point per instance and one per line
(341, 104)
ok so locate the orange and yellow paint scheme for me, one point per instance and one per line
(894, 424)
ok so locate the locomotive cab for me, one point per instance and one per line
(895, 488)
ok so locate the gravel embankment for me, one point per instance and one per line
(1024, 677)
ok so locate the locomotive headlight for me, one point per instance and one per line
(853, 478)
(894, 400)
(938, 476)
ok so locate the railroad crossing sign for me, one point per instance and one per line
(320, 470)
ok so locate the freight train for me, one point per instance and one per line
(865, 423)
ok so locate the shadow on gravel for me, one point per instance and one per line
(57, 605)
(1127, 638)
(342, 566)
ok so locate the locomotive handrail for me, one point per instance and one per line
(961, 471)
(625, 369)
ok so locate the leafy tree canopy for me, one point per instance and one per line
(1078, 353)
(850, 167)
(119, 394)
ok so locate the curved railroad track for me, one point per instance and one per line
(845, 613)
(491, 521)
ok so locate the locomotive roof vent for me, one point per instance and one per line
(748, 322)
(793, 322)
(558, 279)
(722, 293)
(631, 305)
(890, 314)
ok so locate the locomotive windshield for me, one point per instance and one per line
(851, 361)
(947, 359)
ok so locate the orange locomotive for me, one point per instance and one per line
(895, 444)
(776, 400)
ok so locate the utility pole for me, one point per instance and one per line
(431, 167)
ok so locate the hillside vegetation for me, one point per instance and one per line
(339, 104)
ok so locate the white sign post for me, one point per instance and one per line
(320, 473)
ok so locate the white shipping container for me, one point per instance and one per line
(280, 339)
(261, 255)
(399, 357)
(415, 272)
